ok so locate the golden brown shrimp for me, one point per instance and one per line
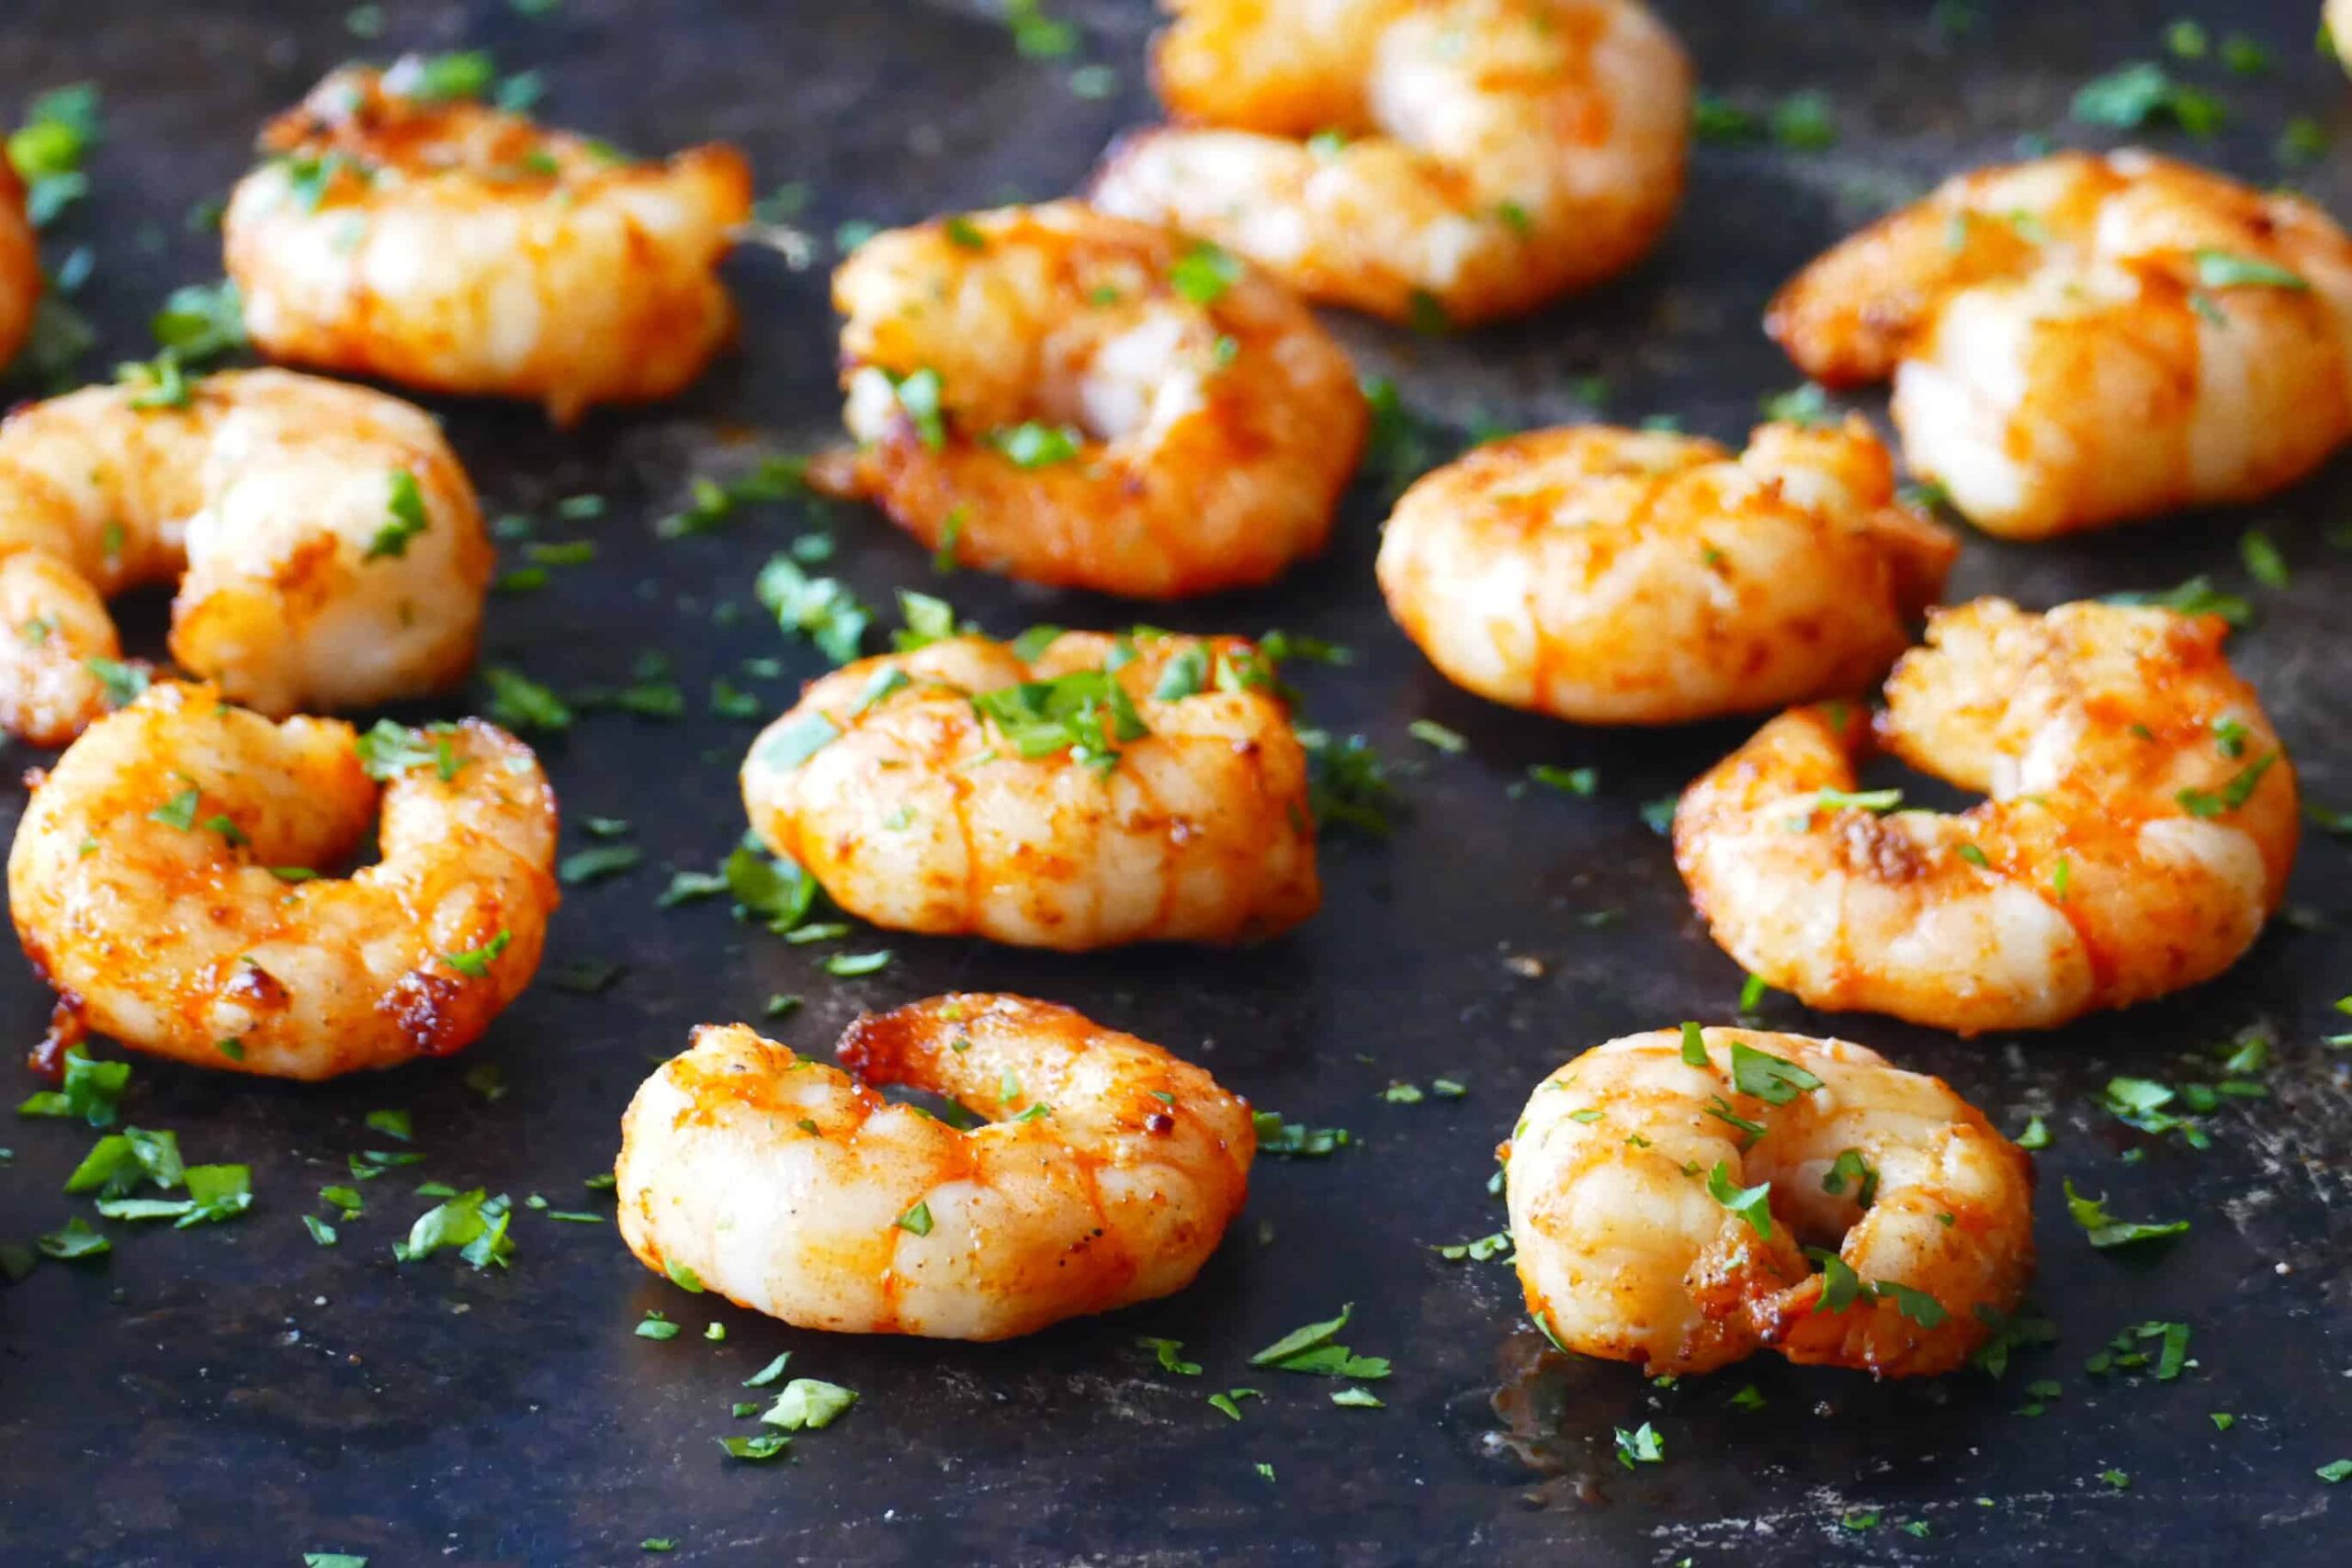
(21, 282)
(1457, 159)
(329, 548)
(1666, 1189)
(1621, 577)
(2084, 340)
(1110, 791)
(1105, 1176)
(165, 881)
(1085, 401)
(443, 244)
(2141, 822)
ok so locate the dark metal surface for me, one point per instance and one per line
(237, 1394)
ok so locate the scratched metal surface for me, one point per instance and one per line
(237, 1394)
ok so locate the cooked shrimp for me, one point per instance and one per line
(165, 880)
(1111, 790)
(1105, 1176)
(2084, 340)
(19, 265)
(1456, 159)
(1616, 576)
(2141, 822)
(1089, 402)
(1634, 1181)
(330, 549)
(394, 232)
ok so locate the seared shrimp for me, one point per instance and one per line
(2140, 824)
(330, 549)
(1114, 790)
(167, 879)
(1105, 1174)
(1089, 402)
(1666, 1190)
(19, 265)
(1615, 577)
(2082, 340)
(1456, 159)
(458, 248)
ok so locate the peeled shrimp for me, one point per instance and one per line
(19, 265)
(1616, 576)
(1089, 402)
(329, 548)
(1111, 790)
(1622, 1171)
(2084, 340)
(450, 246)
(172, 880)
(1105, 1176)
(2141, 822)
(1456, 159)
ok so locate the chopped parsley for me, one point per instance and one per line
(1036, 446)
(822, 609)
(474, 963)
(1204, 273)
(60, 127)
(808, 1405)
(1567, 781)
(1294, 1141)
(1769, 1078)
(1750, 1203)
(1640, 1445)
(91, 1091)
(2105, 1231)
(473, 1223)
(1431, 733)
(2198, 596)
(1086, 713)
(2142, 95)
(517, 702)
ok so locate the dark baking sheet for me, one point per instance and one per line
(237, 1394)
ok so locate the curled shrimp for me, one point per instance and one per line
(1108, 790)
(1621, 577)
(19, 265)
(1086, 402)
(443, 244)
(2084, 340)
(2139, 824)
(1461, 159)
(1666, 1190)
(1105, 1174)
(168, 881)
(329, 549)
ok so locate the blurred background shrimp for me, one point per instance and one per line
(174, 879)
(2140, 822)
(1630, 577)
(1087, 401)
(2084, 340)
(398, 229)
(1106, 1174)
(1667, 1191)
(1107, 791)
(20, 280)
(1429, 161)
(328, 547)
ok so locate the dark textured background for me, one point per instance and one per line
(235, 1394)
